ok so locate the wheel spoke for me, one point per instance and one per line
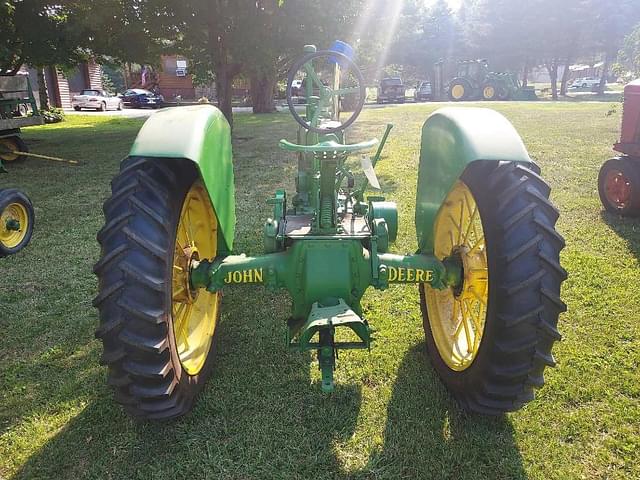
(182, 324)
(479, 243)
(461, 224)
(458, 316)
(467, 326)
(189, 225)
(177, 291)
(474, 319)
(453, 222)
(471, 224)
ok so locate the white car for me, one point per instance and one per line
(96, 100)
(585, 82)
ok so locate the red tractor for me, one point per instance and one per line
(619, 178)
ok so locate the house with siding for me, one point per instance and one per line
(61, 86)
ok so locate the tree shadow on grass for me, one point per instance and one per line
(428, 436)
(260, 416)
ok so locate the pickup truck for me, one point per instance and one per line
(391, 90)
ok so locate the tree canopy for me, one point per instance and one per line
(258, 38)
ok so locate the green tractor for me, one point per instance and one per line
(486, 262)
(474, 81)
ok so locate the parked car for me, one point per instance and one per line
(138, 98)
(296, 88)
(423, 92)
(96, 100)
(585, 82)
(391, 90)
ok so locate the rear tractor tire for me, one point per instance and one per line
(490, 338)
(619, 186)
(157, 332)
(17, 219)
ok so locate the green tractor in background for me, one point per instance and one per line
(474, 81)
(486, 262)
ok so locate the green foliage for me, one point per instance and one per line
(38, 32)
(629, 56)
(112, 79)
(53, 115)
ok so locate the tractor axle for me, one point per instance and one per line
(321, 270)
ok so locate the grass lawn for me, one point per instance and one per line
(262, 415)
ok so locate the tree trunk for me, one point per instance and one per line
(42, 89)
(552, 68)
(262, 85)
(224, 91)
(525, 73)
(603, 79)
(565, 77)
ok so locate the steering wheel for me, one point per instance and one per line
(328, 97)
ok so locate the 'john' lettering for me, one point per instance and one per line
(245, 276)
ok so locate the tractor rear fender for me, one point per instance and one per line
(452, 138)
(201, 134)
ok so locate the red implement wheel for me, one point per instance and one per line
(619, 186)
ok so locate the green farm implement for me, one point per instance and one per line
(486, 262)
(474, 81)
(17, 110)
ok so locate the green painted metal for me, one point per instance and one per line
(329, 146)
(452, 138)
(323, 271)
(13, 225)
(201, 134)
(387, 211)
(359, 193)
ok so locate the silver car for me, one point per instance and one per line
(96, 100)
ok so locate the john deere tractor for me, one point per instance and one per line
(474, 81)
(486, 260)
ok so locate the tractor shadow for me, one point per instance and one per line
(428, 436)
(261, 415)
(626, 228)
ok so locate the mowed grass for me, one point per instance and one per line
(262, 415)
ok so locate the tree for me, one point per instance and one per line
(629, 55)
(613, 20)
(37, 33)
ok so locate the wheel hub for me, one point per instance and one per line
(617, 188)
(14, 222)
(184, 260)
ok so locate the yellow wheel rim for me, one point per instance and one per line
(195, 312)
(457, 92)
(457, 316)
(489, 92)
(10, 237)
(7, 147)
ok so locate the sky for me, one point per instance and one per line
(452, 3)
